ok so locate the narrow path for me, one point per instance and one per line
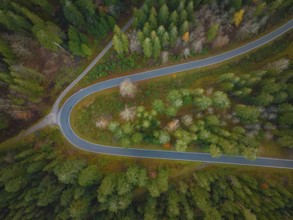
(64, 115)
(52, 117)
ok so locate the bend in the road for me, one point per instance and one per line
(64, 116)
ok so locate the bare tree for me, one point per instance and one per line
(187, 120)
(173, 125)
(165, 56)
(279, 65)
(102, 122)
(220, 41)
(127, 89)
(128, 114)
(186, 52)
(134, 44)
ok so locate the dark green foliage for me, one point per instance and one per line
(72, 14)
(247, 114)
(104, 69)
(162, 27)
(89, 176)
(40, 36)
(236, 4)
(4, 122)
(68, 171)
(78, 44)
(132, 194)
(49, 35)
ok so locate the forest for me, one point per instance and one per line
(45, 44)
(243, 107)
(39, 180)
(175, 29)
(41, 43)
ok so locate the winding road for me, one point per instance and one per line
(65, 112)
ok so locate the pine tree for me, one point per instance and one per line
(68, 171)
(156, 47)
(182, 17)
(87, 7)
(125, 42)
(212, 32)
(190, 11)
(147, 47)
(153, 22)
(6, 51)
(44, 4)
(74, 41)
(49, 35)
(140, 37)
(184, 28)
(146, 29)
(35, 19)
(165, 40)
(221, 100)
(72, 14)
(118, 45)
(164, 14)
(173, 35)
(160, 32)
(141, 17)
(174, 18)
(14, 22)
(120, 41)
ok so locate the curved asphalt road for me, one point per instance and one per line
(64, 115)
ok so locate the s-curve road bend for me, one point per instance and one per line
(64, 115)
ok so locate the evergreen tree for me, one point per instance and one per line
(14, 22)
(173, 35)
(190, 11)
(164, 14)
(89, 176)
(147, 47)
(212, 32)
(174, 18)
(120, 41)
(35, 19)
(156, 47)
(72, 14)
(49, 35)
(165, 40)
(184, 28)
(87, 7)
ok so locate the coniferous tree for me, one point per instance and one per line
(72, 14)
(147, 47)
(156, 47)
(164, 14)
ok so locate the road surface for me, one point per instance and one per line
(52, 117)
(64, 114)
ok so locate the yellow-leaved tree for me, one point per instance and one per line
(185, 37)
(238, 17)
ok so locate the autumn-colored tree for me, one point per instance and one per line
(185, 37)
(238, 17)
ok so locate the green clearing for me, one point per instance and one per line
(108, 103)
